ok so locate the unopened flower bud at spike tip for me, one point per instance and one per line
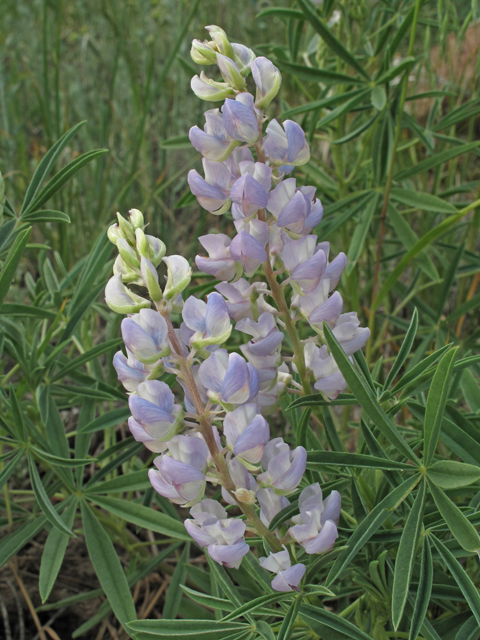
(179, 276)
(220, 39)
(120, 299)
(136, 219)
(126, 228)
(203, 53)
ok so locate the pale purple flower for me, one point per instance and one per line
(210, 322)
(329, 311)
(120, 299)
(287, 145)
(328, 377)
(213, 142)
(242, 56)
(248, 251)
(284, 469)
(219, 262)
(130, 371)
(296, 252)
(263, 349)
(270, 504)
(153, 407)
(228, 378)
(211, 527)
(140, 435)
(145, 335)
(298, 211)
(246, 432)
(267, 79)
(230, 72)
(288, 578)
(334, 270)
(238, 155)
(180, 475)
(349, 334)
(245, 484)
(316, 526)
(308, 274)
(239, 118)
(212, 192)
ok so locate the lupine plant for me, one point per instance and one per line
(218, 432)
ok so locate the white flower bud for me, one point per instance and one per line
(122, 300)
(179, 276)
(128, 254)
(136, 219)
(126, 228)
(203, 52)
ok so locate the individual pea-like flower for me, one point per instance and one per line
(328, 377)
(180, 474)
(228, 378)
(247, 432)
(316, 526)
(242, 56)
(230, 72)
(145, 335)
(349, 333)
(223, 536)
(245, 484)
(329, 311)
(153, 407)
(149, 247)
(297, 211)
(179, 274)
(245, 299)
(131, 372)
(212, 192)
(248, 251)
(239, 119)
(267, 79)
(219, 263)
(270, 504)
(233, 162)
(263, 349)
(213, 142)
(209, 90)
(287, 145)
(284, 469)
(288, 578)
(209, 321)
(150, 279)
(140, 435)
(305, 261)
(120, 299)
(250, 192)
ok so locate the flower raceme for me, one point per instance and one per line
(218, 432)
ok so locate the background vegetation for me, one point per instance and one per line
(392, 114)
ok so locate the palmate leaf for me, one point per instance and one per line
(405, 559)
(366, 399)
(107, 567)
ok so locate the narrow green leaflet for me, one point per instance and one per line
(46, 164)
(11, 263)
(450, 474)
(424, 201)
(204, 629)
(467, 587)
(46, 215)
(434, 161)
(109, 419)
(315, 616)
(318, 400)
(424, 590)
(413, 374)
(285, 631)
(135, 481)
(302, 427)
(174, 593)
(463, 530)
(281, 13)
(330, 40)
(405, 559)
(54, 552)
(316, 459)
(366, 399)
(256, 603)
(208, 601)
(142, 516)
(437, 397)
(360, 233)
(365, 530)
(13, 542)
(43, 500)
(469, 630)
(404, 349)
(9, 468)
(314, 74)
(77, 362)
(107, 567)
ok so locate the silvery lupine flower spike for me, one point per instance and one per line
(284, 469)
(245, 484)
(210, 322)
(287, 145)
(244, 300)
(180, 475)
(223, 536)
(120, 299)
(213, 193)
(131, 372)
(297, 211)
(288, 578)
(153, 407)
(228, 378)
(213, 142)
(145, 335)
(239, 119)
(316, 526)
(267, 79)
(270, 504)
(246, 432)
(219, 263)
